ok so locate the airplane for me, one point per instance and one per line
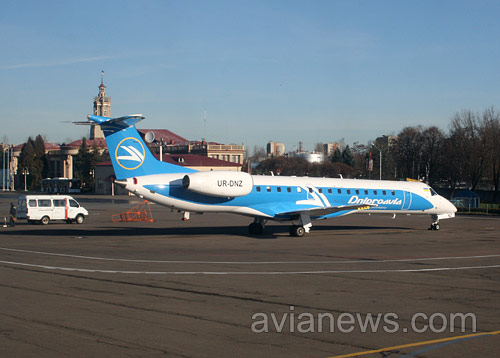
(298, 200)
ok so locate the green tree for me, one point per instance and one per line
(347, 156)
(41, 158)
(27, 160)
(84, 165)
(33, 158)
(337, 156)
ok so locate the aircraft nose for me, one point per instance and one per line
(450, 206)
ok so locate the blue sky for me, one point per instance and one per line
(314, 71)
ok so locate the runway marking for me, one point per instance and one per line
(252, 262)
(387, 349)
(243, 272)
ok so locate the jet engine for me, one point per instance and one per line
(219, 183)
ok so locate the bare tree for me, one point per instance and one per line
(468, 140)
(491, 122)
(408, 152)
(432, 152)
(318, 147)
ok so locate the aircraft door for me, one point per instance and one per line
(407, 200)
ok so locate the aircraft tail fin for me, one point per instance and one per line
(129, 154)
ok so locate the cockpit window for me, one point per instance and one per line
(430, 190)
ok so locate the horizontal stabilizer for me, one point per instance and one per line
(119, 123)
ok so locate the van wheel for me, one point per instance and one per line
(79, 219)
(45, 220)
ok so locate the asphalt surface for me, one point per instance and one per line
(197, 288)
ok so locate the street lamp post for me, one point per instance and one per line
(380, 164)
(92, 174)
(6, 167)
(25, 173)
(3, 168)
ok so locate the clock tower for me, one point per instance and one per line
(102, 107)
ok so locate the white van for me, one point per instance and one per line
(44, 208)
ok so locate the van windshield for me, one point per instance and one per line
(73, 203)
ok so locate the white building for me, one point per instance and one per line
(311, 157)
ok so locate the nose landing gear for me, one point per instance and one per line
(435, 223)
(434, 226)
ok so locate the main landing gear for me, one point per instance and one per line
(297, 231)
(303, 227)
(257, 227)
(435, 223)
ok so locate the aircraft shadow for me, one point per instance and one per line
(271, 231)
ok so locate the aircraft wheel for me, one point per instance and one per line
(434, 226)
(256, 229)
(297, 231)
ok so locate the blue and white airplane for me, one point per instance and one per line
(298, 200)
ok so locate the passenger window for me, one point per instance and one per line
(366, 192)
(357, 191)
(339, 191)
(348, 191)
(73, 204)
(268, 188)
(320, 190)
(289, 189)
(299, 189)
(329, 190)
(44, 203)
(384, 192)
(310, 190)
(278, 189)
(257, 188)
(59, 203)
(32, 203)
(393, 192)
(375, 192)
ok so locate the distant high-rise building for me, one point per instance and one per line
(275, 149)
(102, 107)
(329, 149)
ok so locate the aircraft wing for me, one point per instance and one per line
(318, 212)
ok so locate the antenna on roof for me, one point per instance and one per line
(205, 124)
